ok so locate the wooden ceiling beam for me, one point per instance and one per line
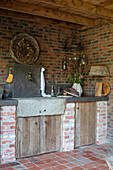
(45, 12)
(101, 21)
(77, 5)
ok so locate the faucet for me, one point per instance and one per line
(29, 76)
(52, 87)
(52, 91)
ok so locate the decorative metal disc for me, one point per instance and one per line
(24, 49)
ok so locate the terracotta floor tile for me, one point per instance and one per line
(50, 168)
(76, 150)
(54, 163)
(101, 162)
(93, 169)
(94, 159)
(22, 161)
(60, 154)
(70, 165)
(19, 168)
(33, 159)
(63, 162)
(73, 155)
(48, 160)
(102, 167)
(4, 166)
(83, 158)
(28, 165)
(87, 151)
(57, 159)
(60, 167)
(9, 168)
(90, 165)
(14, 163)
(87, 155)
(66, 156)
(44, 166)
(34, 168)
(77, 168)
(42, 157)
(39, 163)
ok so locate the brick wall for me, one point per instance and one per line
(101, 122)
(7, 133)
(51, 40)
(68, 123)
(98, 44)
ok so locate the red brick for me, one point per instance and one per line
(8, 123)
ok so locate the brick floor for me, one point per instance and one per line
(90, 157)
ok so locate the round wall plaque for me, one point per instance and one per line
(24, 49)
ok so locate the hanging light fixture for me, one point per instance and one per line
(99, 71)
(101, 88)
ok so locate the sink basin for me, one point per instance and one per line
(40, 106)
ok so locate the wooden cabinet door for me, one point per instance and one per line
(28, 136)
(85, 123)
(51, 128)
(36, 135)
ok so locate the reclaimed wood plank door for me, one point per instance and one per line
(85, 123)
(38, 135)
(28, 136)
(53, 133)
(50, 133)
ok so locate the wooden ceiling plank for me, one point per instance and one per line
(94, 1)
(106, 3)
(110, 6)
(81, 6)
(45, 12)
(101, 21)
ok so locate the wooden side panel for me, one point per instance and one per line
(85, 123)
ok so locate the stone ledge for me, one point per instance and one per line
(8, 102)
(86, 99)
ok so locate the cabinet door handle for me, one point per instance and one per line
(35, 123)
(45, 121)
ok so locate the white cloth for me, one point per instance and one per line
(43, 84)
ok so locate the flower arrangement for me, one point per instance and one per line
(71, 91)
(76, 70)
(76, 76)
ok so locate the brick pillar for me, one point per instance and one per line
(8, 124)
(68, 127)
(101, 129)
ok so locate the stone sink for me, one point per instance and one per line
(40, 106)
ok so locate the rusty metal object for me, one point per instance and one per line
(24, 49)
